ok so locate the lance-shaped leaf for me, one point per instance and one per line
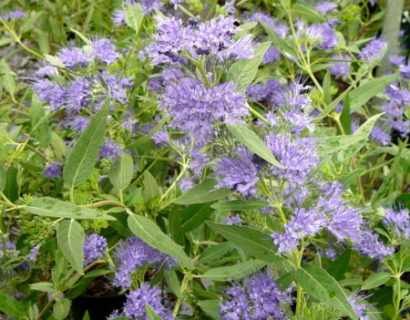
(121, 172)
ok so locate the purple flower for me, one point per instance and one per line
(117, 87)
(105, 51)
(78, 95)
(161, 138)
(405, 71)
(48, 91)
(258, 299)
(399, 221)
(110, 150)
(280, 28)
(148, 6)
(46, 70)
(297, 156)
(13, 14)
(72, 57)
(94, 248)
(134, 254)
(303, 223)
(233, 220)
(359, 306)
(273, 54)
(34, 253)
(379, 135)
(326, 7)
(397, 60)
(340, 69)
(53, 170)
(79, 123)
(137, 300)
(241, 49)
(118, 17)
(370, 245)
(373, 50)
(195, 108)
(239, 175)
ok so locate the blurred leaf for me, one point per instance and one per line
(39, 123)
(11, 306)
(244, 71)
(339, 267)
(215, 252)
(252, 141)
(362, 94)
(149, 232)
(70, 240)
(43, 286)
(235, 272)
(345, 117)
(134, 16)
(255, 243)
(194, 215)
(203, 193)
(239, 205)
(82, 158)
(321, 285)
(152, 315)
(61, 309)
(11, 186)
(375, 280)
(307, 12)
(282, 45)
(121, 172)
(2, 178)
(151, 188)
(51, 207)
(211, 308)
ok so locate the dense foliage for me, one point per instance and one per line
(233, 160)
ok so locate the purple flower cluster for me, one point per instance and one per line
(134, 307)
(133, 254)
(197, 39)
(399, 221)
(359, 306)
(297, 156)
(13, 14)
(373, 50)
(258, 299)
(53, 170)
(195, 108)
(95, 246)
(239, 175)
(340, 69)
(110, 150)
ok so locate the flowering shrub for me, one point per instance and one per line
(233, 160)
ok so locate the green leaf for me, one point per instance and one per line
(255, 243)
(134, 16)
(39, 123)
(252, 141)
(152, 315)
(149, 232)
(307, 12)
(151, 188)
(193, 216)
(376, 280)
(244, 71)
(239, 205)
(121, 172)
(345, 117)
(61, 309)
(11, 306)
(211, 308)
(82, 158)
(215, 252)
(235, 272)
(203, 193)
(51, 207)
(321, 285)
(362, 94)
(11, 188)
(339, 267)
(70, 240)
(286, 49)
(43, 286)
(2, 178)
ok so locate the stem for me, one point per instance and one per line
(72, 194)
(184, 167)
(201, 69)
(182, 290)
(105, 203)
(397, 301)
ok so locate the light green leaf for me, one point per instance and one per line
(134, 16)
(43, 286)
(307, 12)
(82, 158)
(239, 205)
(203, 193)
(235, 272)
(376, 280)
(193, 216)
(151, 188)
(371, 88)
(121, 172)
(70, 240)
(61, 309)
(255, 243)
(244, 71)
(51, 207)
(39, 123)
(211, 308)
(149, 232)
(251, 140)
(2, 178)
(321, 285)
